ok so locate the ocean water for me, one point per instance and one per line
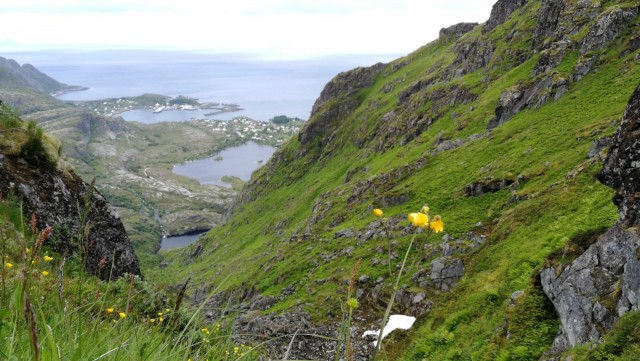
(263, 88)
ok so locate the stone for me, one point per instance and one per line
(501, 11)
(547, 21)
(608, 26)
(598, 146)
(418, 298)
(345, 233)
(363, 279)
(520, 97)
(453, 32)
(592, 276)
(253, 327)
(603, 283)
(479, 188)
(514, 297)
(621, 170)
(446, 272)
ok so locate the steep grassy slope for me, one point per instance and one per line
(414, 132)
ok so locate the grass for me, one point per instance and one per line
(51, 310)
(282, 234)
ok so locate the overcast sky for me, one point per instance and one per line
(266, 28)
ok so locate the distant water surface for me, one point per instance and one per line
(179, 241)
(236, 161)
(263, 88)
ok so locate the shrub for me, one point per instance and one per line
(33, 150)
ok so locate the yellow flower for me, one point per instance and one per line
(167, 310)
(47, 258)
(418, 219)
(27, 250)
(377, 212)
(159, 313)
(152, 320)
(160, 319)
(436, 225)
(45, 273)
(122, 314)
(33, 262)
(110, 310)
(425, 210)
(8, 265)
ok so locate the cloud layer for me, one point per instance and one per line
(270, 28)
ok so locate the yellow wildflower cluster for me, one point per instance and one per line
(110, 310)
(239, 350)
(421, 219)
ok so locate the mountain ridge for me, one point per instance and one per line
(491, 128)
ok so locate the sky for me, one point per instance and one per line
(283, 29)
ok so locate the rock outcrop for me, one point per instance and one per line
(621, 169)
(603, 283)
(453, 32)
(57, 198)
(501, 11)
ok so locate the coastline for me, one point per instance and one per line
(68, 89)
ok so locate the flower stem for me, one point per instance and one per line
(385, 318)
(386, 231)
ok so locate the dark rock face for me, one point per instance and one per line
(446, 272)
(455, 31)
(347, 83)
(598, 146)
(547, 21)
(55, 198)
(598, 287)
(337, 99)
(526, 96)
(606, 28)
(603, 283)
(273, 327)
(479, 188)
(501, 12)
(471, 57)
(621, 169)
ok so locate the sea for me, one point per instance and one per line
(263, 88)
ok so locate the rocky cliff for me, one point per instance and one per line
(60, 199)
(603, 283)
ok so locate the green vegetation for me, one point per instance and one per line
(27, 139)
(283, 119)
(183, 100)
(622, 344)
(305, 218)
(282, 234)
(51, 310)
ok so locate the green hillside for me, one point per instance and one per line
(490, 128)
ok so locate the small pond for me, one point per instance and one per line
(180, 241)
(238, 162)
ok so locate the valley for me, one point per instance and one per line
(483, 185)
